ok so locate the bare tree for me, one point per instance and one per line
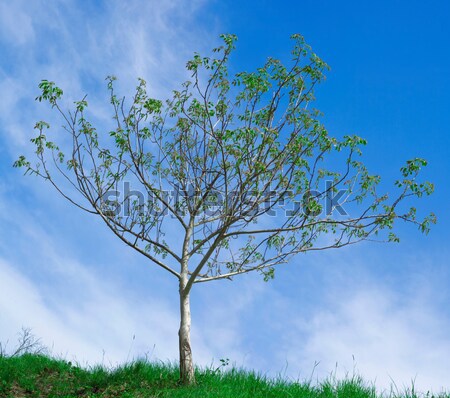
(27, 343)
(234, 167)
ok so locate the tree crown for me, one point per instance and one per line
(239, 166)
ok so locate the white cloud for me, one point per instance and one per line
(15, 23)
(219, 313)
(382, 334)
(83, 324)
(77, 47)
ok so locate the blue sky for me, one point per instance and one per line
(380, 308)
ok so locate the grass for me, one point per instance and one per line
(36, 375)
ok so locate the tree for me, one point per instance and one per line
(238, 168)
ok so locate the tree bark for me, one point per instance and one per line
(186, 363)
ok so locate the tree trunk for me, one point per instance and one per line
(186, 363)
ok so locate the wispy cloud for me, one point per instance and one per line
(16, 23)
(79, 46)
(386, 333)
(92, 326)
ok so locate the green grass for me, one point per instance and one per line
(32, 375)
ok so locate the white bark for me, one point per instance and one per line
(184, 334)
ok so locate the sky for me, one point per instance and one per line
(381, 310)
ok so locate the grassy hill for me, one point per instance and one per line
(35, 375)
